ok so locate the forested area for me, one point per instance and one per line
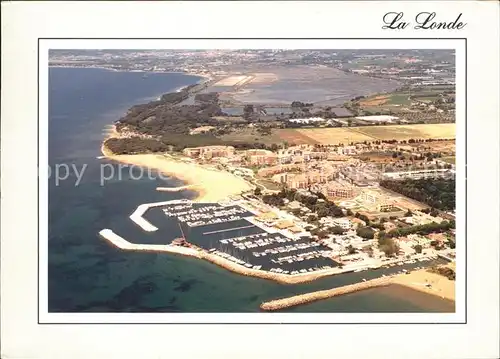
(438, 193)
(422, 229)
(321, 208)
(164, 116)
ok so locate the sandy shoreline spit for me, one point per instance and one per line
(300, 299)
(210, 185)
(440, 285)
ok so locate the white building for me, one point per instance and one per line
(343, 223)
(307, 120)
(435, 173)
(378, 118)
(346, 150)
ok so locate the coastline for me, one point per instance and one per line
(204, 76)
(210, 185)
(222, 262)
(439, 285)
(301, 299)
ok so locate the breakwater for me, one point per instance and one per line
(283, 303)
(121, 243)
(137, 215)
(175, 189)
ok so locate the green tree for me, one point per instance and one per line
(389, 247)
(365, 232)
(257, 191)
(337, 230)
(418, 248)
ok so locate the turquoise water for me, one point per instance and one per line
(87, 274)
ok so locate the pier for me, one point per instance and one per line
(228, 230)
(137, 216)
(175, 189)
(283, 303)
(122, 243)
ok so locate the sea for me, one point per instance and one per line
(88, 274)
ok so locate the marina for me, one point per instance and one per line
(230, 231)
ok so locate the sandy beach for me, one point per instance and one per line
(440, 285)
(211, 185)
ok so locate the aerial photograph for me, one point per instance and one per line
(251, 181)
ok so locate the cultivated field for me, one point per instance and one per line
(366, 133)
(296, 136)
(405, 132)
(441, 146)
(374, 101)
(250, 135)
(334, 135)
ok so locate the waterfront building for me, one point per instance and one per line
(208, 152)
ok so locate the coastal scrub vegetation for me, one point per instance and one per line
(165, 125)
(422, 229)
(444, 271)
